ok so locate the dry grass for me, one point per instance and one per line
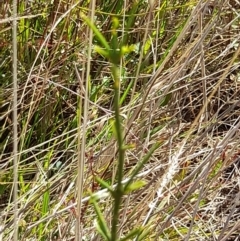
(180, 90)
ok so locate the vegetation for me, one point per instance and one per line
(128, 120)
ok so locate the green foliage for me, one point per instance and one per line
(114, 55)
(101, 224)
(134, 186)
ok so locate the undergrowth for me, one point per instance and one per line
(128, 120)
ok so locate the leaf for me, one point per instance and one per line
(101, 51)
(141, 163)
(127, 49)
(101, 223)
(147, 45)
(130, 146)
(98, 34)
(134, 186)
(104, 184)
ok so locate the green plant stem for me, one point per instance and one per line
(118, 193)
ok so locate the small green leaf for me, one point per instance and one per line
(147, 45)
(127, 49)
(142, 162)
(104, 184)
(134, 186)
(101, 232)
(98, 34)
(130, 146)
(115, 23)
(113, 128)
(101, 51)
(101, 224)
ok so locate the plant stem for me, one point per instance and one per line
(119, 135)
